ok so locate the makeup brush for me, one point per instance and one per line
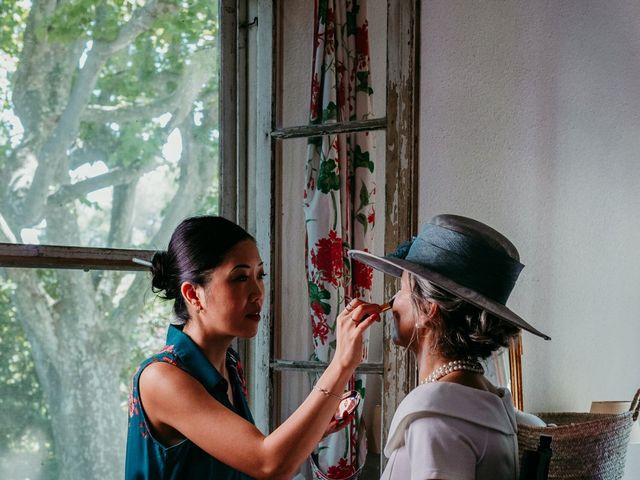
(385, 306)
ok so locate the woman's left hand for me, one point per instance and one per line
(337, 425)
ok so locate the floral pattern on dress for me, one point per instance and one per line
(166, 355)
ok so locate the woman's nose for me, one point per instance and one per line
(257, 292)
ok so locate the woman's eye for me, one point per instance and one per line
(242, 278)
(261, 275)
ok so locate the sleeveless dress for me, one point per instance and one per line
(146, 457)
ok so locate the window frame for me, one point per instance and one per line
(398, 368)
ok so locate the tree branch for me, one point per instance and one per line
(140, 21)
(53, 159)
(199, 70)
(34, 310)
(117, 176)
(129, 113)
(197, 171)
(6, 235)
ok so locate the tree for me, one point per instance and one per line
(106, 88)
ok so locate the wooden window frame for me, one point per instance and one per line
(401, 126)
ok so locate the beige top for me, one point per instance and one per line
(448, 431)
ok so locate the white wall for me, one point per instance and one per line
(530, 121)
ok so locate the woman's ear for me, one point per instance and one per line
(189, 292)
(426, 315)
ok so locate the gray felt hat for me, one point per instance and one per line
(463, 256)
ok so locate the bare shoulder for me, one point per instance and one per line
(160, 383)
(161, 376)
(166, 393)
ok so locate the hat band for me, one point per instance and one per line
(467, 261)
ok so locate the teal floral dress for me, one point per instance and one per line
(147, 458)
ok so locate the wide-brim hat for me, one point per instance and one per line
(464, 257)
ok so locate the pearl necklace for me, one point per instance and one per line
(468, 364)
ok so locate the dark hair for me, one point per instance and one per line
(197, 246)
(460, 329)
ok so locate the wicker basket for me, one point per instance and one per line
(585, 445)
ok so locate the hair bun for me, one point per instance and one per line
(160, 281)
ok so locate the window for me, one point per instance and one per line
(112, 130)
(109, 136)
(282, 138)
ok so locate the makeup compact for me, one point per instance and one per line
(348, 405)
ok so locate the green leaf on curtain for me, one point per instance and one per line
(361, 218)
(352, 19)
(323, 9)
(328, 179)
(332, 344)
(364, 197)
(362, 159)
(363, 83)
(315, 141)
(330, 113)
(317, 294)
(359, 386)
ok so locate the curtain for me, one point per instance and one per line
(339, 203)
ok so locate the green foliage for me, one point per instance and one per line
(12, 21)
(22, 406)
(71, 20)
(49, 281)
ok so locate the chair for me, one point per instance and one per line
(535, 463)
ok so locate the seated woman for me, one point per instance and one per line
(450, 312)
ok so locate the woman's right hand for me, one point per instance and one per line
(351, 324)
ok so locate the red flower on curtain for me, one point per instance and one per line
(320, 330)
(362, 275)
(362, 43)
(318, 310)
(327, 258)
(315, 96)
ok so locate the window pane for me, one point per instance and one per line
(296, 41)
(69, 344)
(293, 317)
(109, 125)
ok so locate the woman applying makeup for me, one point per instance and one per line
(188, 415)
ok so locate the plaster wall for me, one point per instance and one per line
(530, 122)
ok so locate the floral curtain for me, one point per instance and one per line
(339, 202)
